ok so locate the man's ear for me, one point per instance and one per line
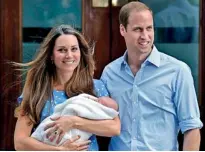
(122, 30)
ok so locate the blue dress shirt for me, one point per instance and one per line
(60, 96)
(154, 104)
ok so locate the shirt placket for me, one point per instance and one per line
(135, 134)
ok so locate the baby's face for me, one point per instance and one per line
(108, 102)
(103, 98)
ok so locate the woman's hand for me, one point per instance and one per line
(72, 145)
(59, 127)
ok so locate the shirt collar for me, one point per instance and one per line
(153, 58)
(124, 62)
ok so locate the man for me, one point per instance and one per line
(154, 91)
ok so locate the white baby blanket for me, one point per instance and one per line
(83, 105)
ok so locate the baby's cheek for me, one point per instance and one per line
(99, 101)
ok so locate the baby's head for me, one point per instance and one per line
(108, 102)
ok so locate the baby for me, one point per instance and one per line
(83, 105)
(106, 101)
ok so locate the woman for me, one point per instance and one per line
(63, 68)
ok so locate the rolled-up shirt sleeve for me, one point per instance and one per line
(186, 100)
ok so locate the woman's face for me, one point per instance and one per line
(66, 54)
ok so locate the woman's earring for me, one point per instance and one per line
(51, 61)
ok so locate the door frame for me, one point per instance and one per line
(10, 50)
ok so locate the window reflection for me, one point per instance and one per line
(177, 30)
(39, 16)
(180, 22)
(44, 13)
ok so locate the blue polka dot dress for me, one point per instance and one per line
(60, 97)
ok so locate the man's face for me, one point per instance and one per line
(139, 34)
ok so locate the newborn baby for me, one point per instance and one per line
(83, 105)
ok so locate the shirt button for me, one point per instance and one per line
(134, 138)
(134, 119)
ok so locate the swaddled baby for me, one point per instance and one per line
(83, 105)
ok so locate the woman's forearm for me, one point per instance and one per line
(107, 128)
(22, 139)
